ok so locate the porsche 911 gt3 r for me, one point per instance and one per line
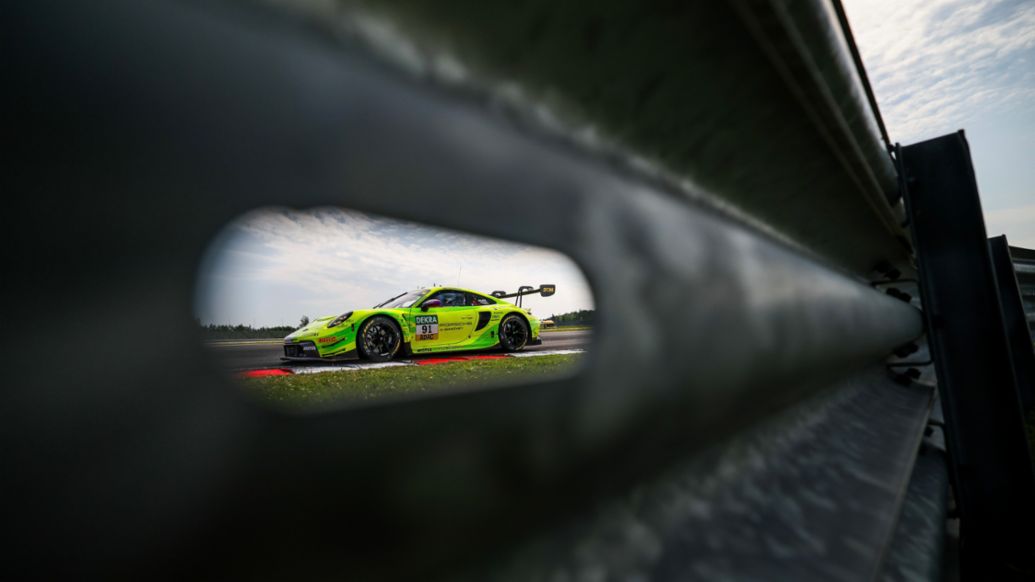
(438, 319)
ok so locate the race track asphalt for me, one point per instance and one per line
(254, 355)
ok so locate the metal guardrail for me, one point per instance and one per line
(1009, 273)
(735, 224)
(1024, 267)
(791, 146)
(984, 370)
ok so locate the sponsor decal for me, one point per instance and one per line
(426, 328)
(325, 340)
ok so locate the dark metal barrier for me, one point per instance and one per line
(736, 374)
(1015, 323)
(756, 109)
(1024, 268)
(991, 465)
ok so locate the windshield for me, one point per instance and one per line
(402, 301)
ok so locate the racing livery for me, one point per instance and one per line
(437, 319)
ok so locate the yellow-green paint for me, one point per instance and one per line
(455, 326)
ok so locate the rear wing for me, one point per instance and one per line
(544, 290)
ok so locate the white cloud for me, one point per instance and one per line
(271, 267)
(941, 65)
(935, 64)
(1017, 223)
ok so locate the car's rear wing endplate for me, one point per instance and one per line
(544, 290)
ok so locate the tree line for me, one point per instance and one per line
(222, 332)
(580, 317)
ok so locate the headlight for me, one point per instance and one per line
(340, 319)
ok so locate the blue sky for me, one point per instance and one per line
(272, 267)
(941, 65)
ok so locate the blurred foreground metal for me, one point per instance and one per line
(756, 433)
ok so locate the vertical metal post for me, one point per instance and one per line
(1014, 322)
(990, 462)
(1024, 268)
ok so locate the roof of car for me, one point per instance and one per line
(448, 288)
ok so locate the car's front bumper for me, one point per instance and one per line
(306, 352)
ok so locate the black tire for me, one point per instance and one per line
(379, 339)
(513, 333)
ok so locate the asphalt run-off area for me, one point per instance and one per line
(262, 357)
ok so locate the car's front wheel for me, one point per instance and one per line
(513, 333)
(379, 339)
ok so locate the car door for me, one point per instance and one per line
(450, 324)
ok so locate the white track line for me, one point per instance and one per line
(545, 353)
(350, 367)
(377, 365)
(321, 369)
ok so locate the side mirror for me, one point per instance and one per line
(429, 304)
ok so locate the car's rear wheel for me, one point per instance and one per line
(513, 333)
(379, 339)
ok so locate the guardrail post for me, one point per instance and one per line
(991, 466)
(1022, 355)
(1024, 268)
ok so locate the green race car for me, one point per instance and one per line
(439, 319)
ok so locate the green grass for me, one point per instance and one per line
(307, 391)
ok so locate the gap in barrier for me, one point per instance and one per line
(326, 305)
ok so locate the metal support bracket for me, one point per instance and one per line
(990, 464)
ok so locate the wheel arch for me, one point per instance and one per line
(396, 318)
(520, 314)
(400, 324)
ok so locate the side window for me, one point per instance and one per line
(450, 298)
(477, 300)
